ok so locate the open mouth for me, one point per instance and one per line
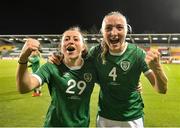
(114, 41)
(70, 48)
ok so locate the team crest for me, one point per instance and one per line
(87, 77)
(125, 65)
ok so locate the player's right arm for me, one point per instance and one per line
(24, 80)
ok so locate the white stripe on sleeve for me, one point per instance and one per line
(39, 78)
(147, 72)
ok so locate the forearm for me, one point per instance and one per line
(23, 79)
(161, 79)
(22, 75)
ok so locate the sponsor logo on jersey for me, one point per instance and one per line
(66, 74)
(74, 98)
(87, 77)
(125, 65)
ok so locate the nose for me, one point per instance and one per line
(71, 40)
(114, 31)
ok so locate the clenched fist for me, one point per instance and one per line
(153, 58)
(29, 46)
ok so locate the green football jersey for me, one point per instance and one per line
(118, 79)
(70, 92)
(35, 62)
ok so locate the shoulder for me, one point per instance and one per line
(48, 65)
(136, 51)
(132, 46)
(95, 48)
(135, 47)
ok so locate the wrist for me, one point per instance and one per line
(22, 61)
(155, 66)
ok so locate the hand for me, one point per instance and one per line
(29, 46)
(153, 58)
(55, 58)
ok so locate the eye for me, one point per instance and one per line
(108, 28)
(120, 27)
(76, 39)
(66, 39)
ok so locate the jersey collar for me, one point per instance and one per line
(76, 67)
(120, 53)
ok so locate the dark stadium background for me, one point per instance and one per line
(155, 24)
(53, 17)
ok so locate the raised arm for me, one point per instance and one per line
(25, 81)
(157, 78)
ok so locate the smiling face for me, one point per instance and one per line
(114, 30)
(72, 44)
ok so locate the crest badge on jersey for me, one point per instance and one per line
(87, 77)
(125, 65)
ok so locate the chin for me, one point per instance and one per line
(115, 47)
(73, 57)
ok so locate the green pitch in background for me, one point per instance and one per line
(23, 110)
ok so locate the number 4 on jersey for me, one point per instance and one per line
(113, 73)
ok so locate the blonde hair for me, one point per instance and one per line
(105, 49)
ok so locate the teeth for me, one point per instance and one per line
(114, 38)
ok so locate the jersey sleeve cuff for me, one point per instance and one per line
(147, 72)
(39, 78)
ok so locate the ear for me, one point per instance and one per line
(129, 29)
(84, 51)
(83, 47)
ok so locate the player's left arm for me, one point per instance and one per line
(157, 77)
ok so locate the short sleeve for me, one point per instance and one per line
(43, 74)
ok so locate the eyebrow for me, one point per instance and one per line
(70, 36)
(115, 25)
(76, 37)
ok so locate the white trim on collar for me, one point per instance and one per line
(76, 67)
(120, 53)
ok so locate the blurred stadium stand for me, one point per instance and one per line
(167, 44)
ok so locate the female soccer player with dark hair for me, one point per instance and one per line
(70, 84)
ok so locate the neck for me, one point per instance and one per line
(121, 49)
(73, 62)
